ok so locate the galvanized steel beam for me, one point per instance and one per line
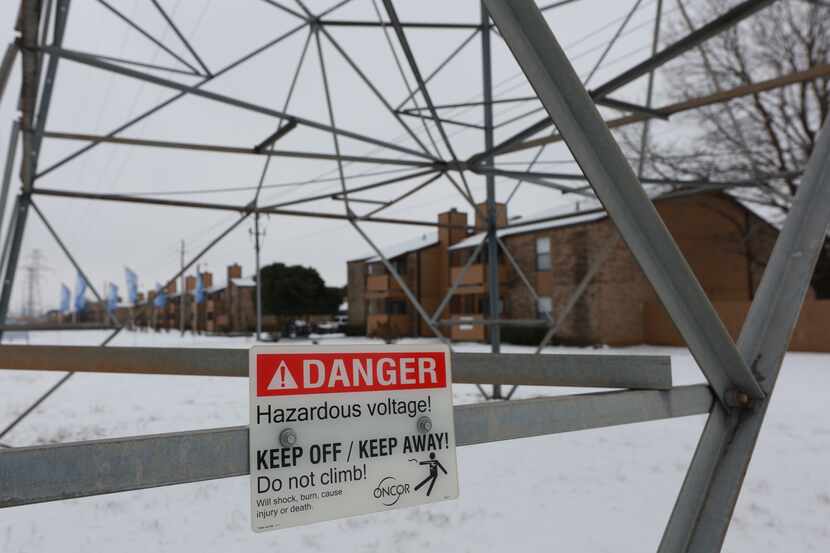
(600, 158)
(34, 327)
(7, 175)
(580, 370)
(403, 196)
(458, 279)
(810, 74)
(65, 471)
(721, 23)
(181, 37)
(699, 520)
(368, 82)
(6, 66)
(350, 191)
(33, 121)
(147, 35)
(156, 108)
(405, 24)
(492, 281)
(221, 98)
(678, 48)
(4, 253)
(229, 207)
(437, 70)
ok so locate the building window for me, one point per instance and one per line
(544, 307)
(484, 306)
(543, 254)
(400, 266)
(395, 307)
(467, 304)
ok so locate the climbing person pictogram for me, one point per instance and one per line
(434, 465)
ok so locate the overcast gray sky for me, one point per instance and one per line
(105, 236)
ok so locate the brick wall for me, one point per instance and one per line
(430, 291)
(355, 292)
(619, 290)
(725, 244)
(243, 308)
(811, 331)
(519, 301)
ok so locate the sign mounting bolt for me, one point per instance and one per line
(288, 437)
(424, 425)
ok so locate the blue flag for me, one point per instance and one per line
(80, 293)
(161, 297)
(132, 285)
(112, 298)
(65, 294)
(200, 288)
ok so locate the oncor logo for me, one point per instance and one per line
(389, 491)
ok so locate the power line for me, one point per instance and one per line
(264, 186)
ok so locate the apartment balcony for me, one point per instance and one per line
(475, 279)
(459, 331)
(380, 324)
(382, 286)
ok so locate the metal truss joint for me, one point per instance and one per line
(739, 399)
(452, 165)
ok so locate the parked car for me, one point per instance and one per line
(327, 327)
(342, 322)
(296, 329)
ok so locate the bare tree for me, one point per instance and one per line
(765, 137)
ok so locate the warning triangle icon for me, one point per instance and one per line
(283, 379)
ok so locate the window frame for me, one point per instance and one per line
(543, 254)
(540, 312)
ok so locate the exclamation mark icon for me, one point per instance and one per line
(283, 379)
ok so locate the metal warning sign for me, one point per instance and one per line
(348, 430)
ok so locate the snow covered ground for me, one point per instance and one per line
(600, 490)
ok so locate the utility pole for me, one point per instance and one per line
(194, 329)
(182, 302)
(257, 278)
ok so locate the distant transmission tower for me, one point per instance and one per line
(31, 303)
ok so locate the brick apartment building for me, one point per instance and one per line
(726, 243)
(228, 308)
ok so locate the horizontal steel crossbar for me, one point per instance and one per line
(579, 370)
(65, 471)
(37, 326)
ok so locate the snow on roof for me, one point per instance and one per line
(569, 214)
(581, 211)
(772, 215)
(394, 250)
(575, 213)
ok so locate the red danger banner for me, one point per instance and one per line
(328, 373)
